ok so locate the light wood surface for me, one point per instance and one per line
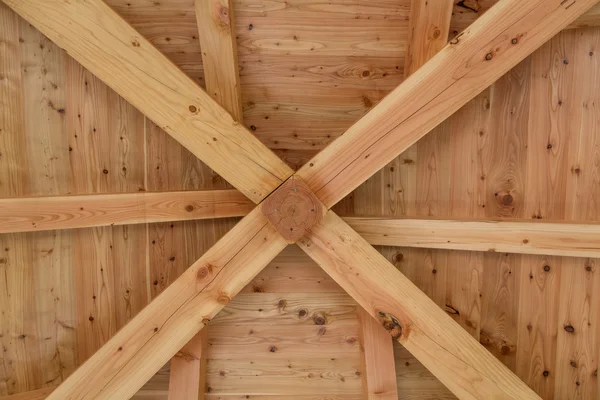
(219, 59)
(116, 53)
(216, 28)
(30, 214)
(466, 12)
(39, 394)
(524, 237)
(445, 348)
(492, 235)
(186, 368)
(147, 342)
(378, 359)
(496, 42)
(429, 25)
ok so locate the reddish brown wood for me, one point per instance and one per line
(293, 208)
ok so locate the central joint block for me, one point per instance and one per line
(293, 209)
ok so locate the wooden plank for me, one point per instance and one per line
(519, 236)
(291, 342)
(514, 236)
(219, 59)
(292, 271)
(37, 335)
(289, 309)
(25, 214)
(316, 376)
(106, 155)
(146, 343)
(216, 27)
(379, 369)
(116, 53)
(496, 42)
(39, 394)
(414, 380)
(578, 340)
(186, 366)
(429, 25)
(443, 347)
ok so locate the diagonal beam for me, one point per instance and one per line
(98, 38)
(492, 45)
(159, 331)
(26, 214)
(412, 318)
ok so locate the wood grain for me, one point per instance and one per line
(526, 237)
(467, 369)
(216, 27)
(427, 35)
(292, 209)
(146, 343)
(113, 51)
(26, 214)
(504, 36)
(378, 359)
(186, 367)
(466, 12)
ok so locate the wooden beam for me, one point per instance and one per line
(379, 366)
(219, 60)
(27, 214)
(429, 25)
(412, 318)
(98, 38)
(186, 367)
(133, 355)
(465, 15)
(491, 46)
(219, 54)
(524, 237)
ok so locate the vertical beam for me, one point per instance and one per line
(379, 368)
(219, 54)
(220, 63)
(429, 25)
(186, 366)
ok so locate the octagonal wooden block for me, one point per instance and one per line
(293, 208)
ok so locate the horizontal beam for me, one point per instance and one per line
(568, 239)
(83, 211)
(524, 237)
(135, 353)
(104, 43)
(412, 318)
(185, 375)
(496, 42)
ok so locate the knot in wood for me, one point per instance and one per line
(293, 209)
(391, 324)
